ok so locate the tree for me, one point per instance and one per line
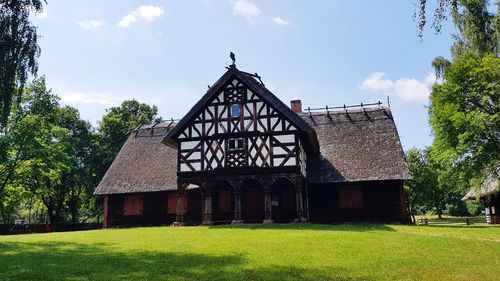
(10, 202)
(34, 101)
(47, 165)
(478, 29)
(465, 113)
(435, 184)
(79, 179)
(52, 148)
(423, 190)
(18, 52)
(464, 109)
(440, 65)
(40, 147)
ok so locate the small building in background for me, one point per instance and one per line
(489, 196)
(241, 155)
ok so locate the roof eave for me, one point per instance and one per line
(170, 142)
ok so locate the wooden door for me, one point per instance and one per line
(253, 205)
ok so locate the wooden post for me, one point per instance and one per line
(268, 211)
(207, 211)
(105, 221)
(298, 201)
(179, 208)
(405, 214)
(237, 204)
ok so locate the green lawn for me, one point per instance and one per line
(256, 252)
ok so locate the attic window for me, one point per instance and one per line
(236, 144)
(235, 110)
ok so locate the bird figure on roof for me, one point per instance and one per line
(233, 58)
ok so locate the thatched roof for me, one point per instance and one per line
(308, 136)
(356, 145)
(490, 186)
(143, 164)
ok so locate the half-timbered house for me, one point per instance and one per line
(241, 155)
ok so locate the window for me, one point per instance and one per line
(350, 197)
(236, 144)
(132, 205)
(235, 111)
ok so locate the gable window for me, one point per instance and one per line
(236, 144)
(350, 197)
(235, 110)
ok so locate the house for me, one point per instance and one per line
(489, 196)
(241, 155)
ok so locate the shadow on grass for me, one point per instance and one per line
(74, 261)
(311, 226)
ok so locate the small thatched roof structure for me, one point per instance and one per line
(356, 145)
(143, 164)
(490, 186)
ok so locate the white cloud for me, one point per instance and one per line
(246, 9)
(407, 89)
(281, 21)
(145, 12)
(91, 24)
(149, 12)
(126, 21)
(86, 98)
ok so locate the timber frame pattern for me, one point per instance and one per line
(239, 132)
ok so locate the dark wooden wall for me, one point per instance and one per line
(154, 210)
(383, 201)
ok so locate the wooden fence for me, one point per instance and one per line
(6, 229)
(455, 221)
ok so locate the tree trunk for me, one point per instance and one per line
(439, 212)
(409, 209)
(2, 213)
(74, 213)
(53, 219)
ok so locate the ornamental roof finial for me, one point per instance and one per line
(233, 58)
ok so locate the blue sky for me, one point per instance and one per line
(95, 54)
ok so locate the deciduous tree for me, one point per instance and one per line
(465, 113)
(18, 51)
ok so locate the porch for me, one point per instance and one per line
(250, 199)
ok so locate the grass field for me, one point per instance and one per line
(256, 252)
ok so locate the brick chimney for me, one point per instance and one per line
(296, 106)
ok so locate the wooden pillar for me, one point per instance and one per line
(405, 214)
(268, 210)
(207, 205)
(299, 203)
(237, 204)
(106, 208)
(179, 208)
